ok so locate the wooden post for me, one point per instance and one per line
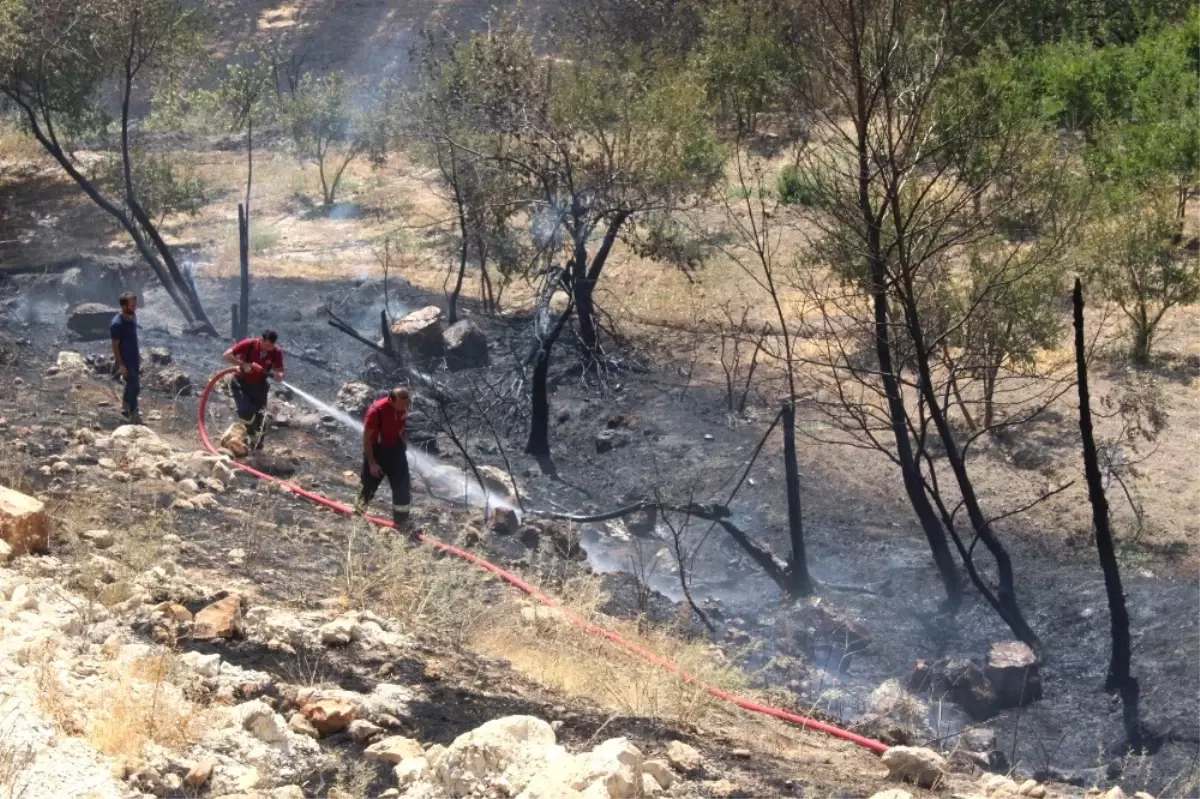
(244, 256)
(234, 328)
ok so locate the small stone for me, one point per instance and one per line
(221, 619)
(300, 725)
(411, 770)
(248, 781)
(100, 539)
(916, 764)
(361, 730)
(329, 715)
(660, 771)
(393, 749)
(289, 792)
(200, 773)
(1026, 787)
(684, 757)
(892, 793)
(998, 785)
(1039, 792)
(339, 632)
(1115, 792)
(741, 754)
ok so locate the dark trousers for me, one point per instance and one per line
(133, 387)
(393, 461)
(251, 400)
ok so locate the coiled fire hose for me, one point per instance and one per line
(515, 581)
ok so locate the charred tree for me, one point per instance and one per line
(546, 332)
(1120, 677)
(798, 577)
(244, 258)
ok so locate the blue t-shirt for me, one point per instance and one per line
(124, 332)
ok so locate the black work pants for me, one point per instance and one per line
(133, 387)
(393, 461)
(251, 400)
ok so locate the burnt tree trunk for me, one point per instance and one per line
(244, 259)
(798, 577)
(545, 333)
(1006, 591)
(1120, 677)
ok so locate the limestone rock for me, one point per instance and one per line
(200, 773)
(1012, 668)
(234, 439)
(684, 757)
(355, 397)
(169, 380)
(261, 721)
(394, 749)
(466, 346)
(915, 764)
(892, 793)
(90, 321)
(661, 773)
(100, 539)
(418, 336)
(410, 770)
(339, 632)
(300, 725)
(221, 619)
(503, 520)
(329, 715)
(361, 730)
(24, 525)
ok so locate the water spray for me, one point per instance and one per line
(444, 481)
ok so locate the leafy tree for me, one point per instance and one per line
(1132, 256)
(71, 55)
(167, 184)
(742, 60)
(332, 130)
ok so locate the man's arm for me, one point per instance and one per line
(120, 363)
(369, 449)
(231, 357)
(279, 365)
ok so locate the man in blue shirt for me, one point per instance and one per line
(127, 358)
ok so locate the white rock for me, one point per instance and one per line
(892, 793)
(684, 757)
(1115, 792)
(660, 771)
(916, 764)
(204, 665)
(393, 749)
(339, 632)
(410, 770)
(100, 539)
(998, 785)
(262, 722)
(361, 730)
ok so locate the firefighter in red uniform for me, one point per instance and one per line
(385, 453)
(255, 358)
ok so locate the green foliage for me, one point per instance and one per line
(1131, 255)
(1032, 23)
(742, 60)
(332, 123)
(794, 186)
(166, 183)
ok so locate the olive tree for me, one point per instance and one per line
(71, 55)
(1131, 255)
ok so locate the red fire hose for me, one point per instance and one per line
(581, 623)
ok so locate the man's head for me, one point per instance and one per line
(398, 397)
(128, 302)
(269, 337)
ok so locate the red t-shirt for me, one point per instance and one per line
(252, 351)
(385, 422)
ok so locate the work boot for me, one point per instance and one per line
(135, 417)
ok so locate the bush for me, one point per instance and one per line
(794, 187)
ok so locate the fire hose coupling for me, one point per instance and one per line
(717, 511)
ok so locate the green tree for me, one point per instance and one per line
(71, 55)
(332, 128)
(1131, 255)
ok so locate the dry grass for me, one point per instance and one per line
(569, 660)
(15, 760)
(140, 705)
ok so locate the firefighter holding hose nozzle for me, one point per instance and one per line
(256, 359)
(385, 454)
